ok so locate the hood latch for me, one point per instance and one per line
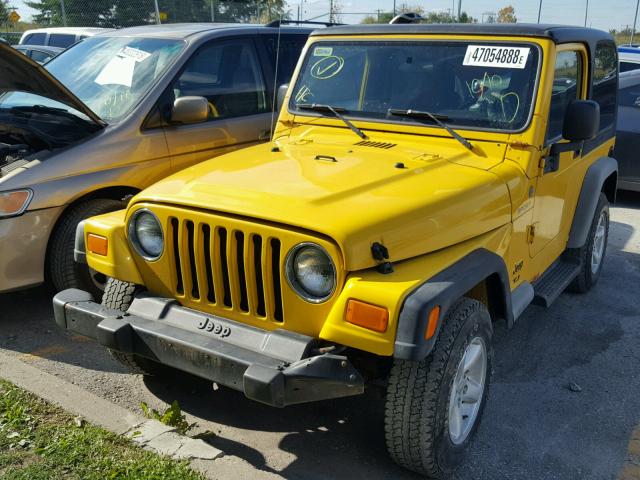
(380, 253)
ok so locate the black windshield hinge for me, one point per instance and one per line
(380, 253)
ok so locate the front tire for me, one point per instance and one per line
(119, 296)
(62, 268)
(434, 406)
(591, 256)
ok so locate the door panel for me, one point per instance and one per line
(228, 74)
(557, 181)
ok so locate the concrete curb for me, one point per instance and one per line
(150, 434)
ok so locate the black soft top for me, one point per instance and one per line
(557, 33)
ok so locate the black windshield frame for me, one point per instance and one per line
(353, 115)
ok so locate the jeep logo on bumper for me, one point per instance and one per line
(216, 328)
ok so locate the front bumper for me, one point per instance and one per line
(23, 248)
(277, 368)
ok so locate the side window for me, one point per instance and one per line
(227, 74)
(605, 82)
(567, 82)
(628, 66)
(35, 39)
(290, 48)
(39, 56)
(61, 40)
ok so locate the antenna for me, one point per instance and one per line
(275, 82)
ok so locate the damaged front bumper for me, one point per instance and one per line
(278, 368)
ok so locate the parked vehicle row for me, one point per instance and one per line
(423, 183)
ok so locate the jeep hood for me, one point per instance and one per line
(21, 74)
(354, 194)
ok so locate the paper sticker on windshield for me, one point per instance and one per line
(135, 53)
(322, 51)
(492, 56)
(119, 71)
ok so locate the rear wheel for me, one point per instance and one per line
(62, 268)
(434, 406)
(119, 296)
(591, 256)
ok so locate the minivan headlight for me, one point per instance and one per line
(14, 202)
(310, 272)
(145, 234)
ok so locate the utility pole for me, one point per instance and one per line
(539, 10)
(586, 13)
(213, 11)
(330, 11)
(459, 10)
(64, 13)
(394, 8)
(155, 4)
(635, 19)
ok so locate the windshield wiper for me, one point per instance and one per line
(336, 112)
(434, 117)
(44, 109)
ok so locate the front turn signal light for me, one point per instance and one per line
(15, 202)
(432, 323)
(97, 244)
(367, 316)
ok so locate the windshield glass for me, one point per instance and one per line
(111, 74)
(471, 84)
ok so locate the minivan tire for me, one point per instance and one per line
(420, 394)
(63, 271)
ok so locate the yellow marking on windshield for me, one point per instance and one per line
(365, 80)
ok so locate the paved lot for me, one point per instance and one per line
(534, 426)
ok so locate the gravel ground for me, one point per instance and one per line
(534, 427)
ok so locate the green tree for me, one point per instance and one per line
(95, 13)
(507, 15)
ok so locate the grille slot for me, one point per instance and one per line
(175, 228)
(369, 143)
(227, 268)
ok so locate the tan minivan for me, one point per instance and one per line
(114, 114)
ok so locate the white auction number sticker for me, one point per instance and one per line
(494, 56)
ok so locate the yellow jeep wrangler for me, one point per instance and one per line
(424, 181)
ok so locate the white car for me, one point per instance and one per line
(59, 36)
(629, 58)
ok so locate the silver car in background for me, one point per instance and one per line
(115, 113)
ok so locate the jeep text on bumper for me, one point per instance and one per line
(278, 368)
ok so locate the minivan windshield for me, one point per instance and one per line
(485, 85)
(111, 74)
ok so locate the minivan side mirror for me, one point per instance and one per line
(581, 123)
(282, 92)
(190, 110)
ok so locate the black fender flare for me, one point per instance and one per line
(592, 185)
(443, 290)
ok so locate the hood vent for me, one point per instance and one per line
(367, 143)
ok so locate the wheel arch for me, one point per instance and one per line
(602, 176)
(115, 192)
(481, 274)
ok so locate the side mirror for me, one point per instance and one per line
(581, 123)
(190, 110)
(282, 92)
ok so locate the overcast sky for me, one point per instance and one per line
(605, 14)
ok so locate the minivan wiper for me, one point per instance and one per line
(44, 109)
(434, 117)
(336, 112)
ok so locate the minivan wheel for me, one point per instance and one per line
(434, 406)
(119, 295)
(591, 256)
(63, 271)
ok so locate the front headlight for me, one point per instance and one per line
(15, 202)
(145, 234)
(310, 272)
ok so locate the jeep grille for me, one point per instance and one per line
(227, 268)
